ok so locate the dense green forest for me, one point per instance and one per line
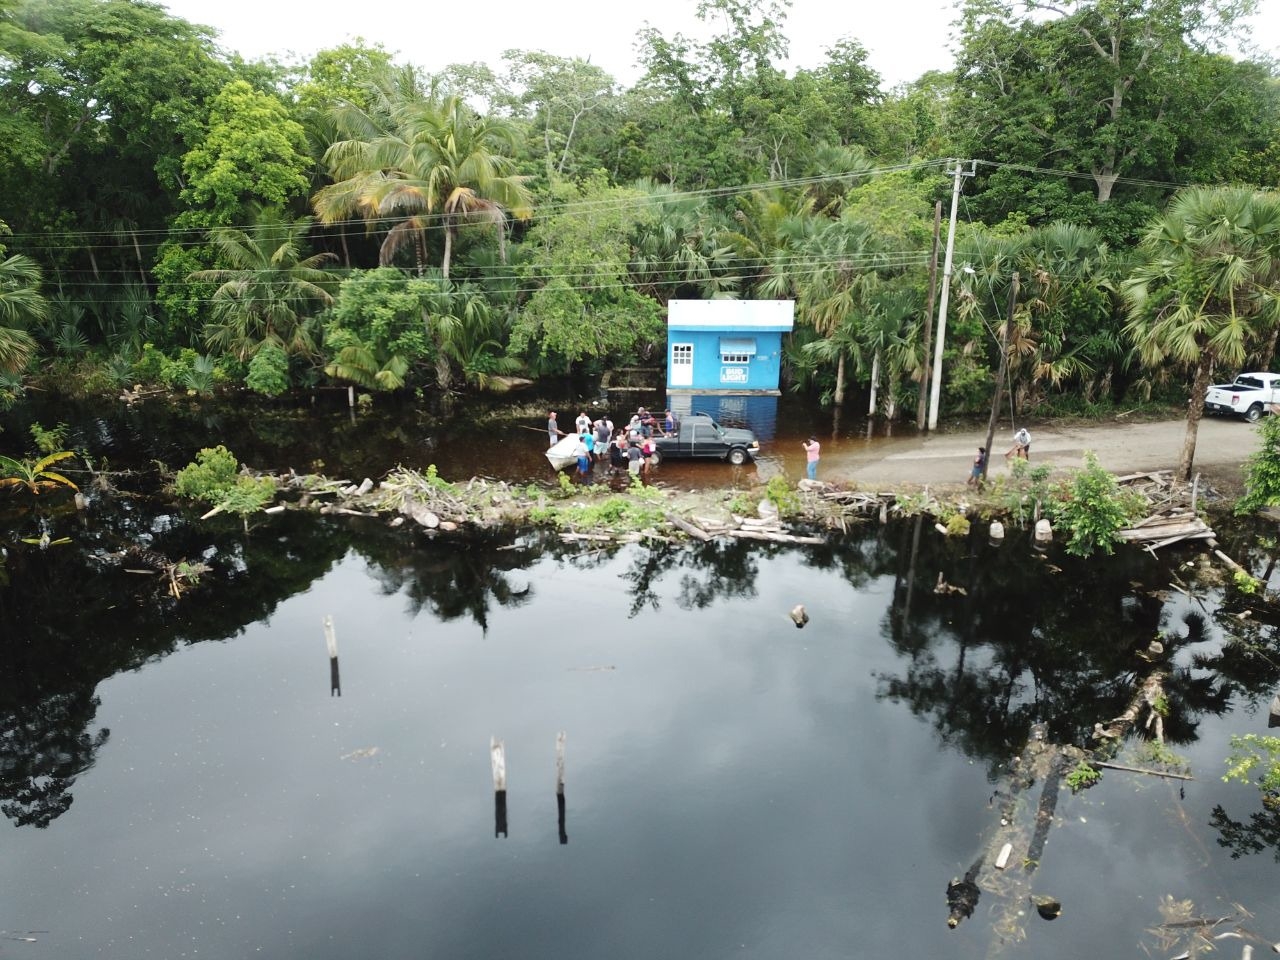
(175, 215)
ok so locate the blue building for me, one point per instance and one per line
(726, 347)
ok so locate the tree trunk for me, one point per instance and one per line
(875, 382)
(1270, 353)
(1195, 410)
(840, 380)
(444, 372)
(448, 250)
(137, 252)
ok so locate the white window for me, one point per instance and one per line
(737, 349)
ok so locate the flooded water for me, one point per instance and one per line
(502, 439)
(194, 777)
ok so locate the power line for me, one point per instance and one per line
(544, 211)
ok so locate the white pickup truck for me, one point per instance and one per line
(1250, 396)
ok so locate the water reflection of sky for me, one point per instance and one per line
(735, 787)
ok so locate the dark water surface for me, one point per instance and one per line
(182, 782)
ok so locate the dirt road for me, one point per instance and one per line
(945, 458)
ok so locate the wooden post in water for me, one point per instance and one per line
(331, 642)
(564, 836)
(498, 761)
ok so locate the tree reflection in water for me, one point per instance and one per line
(1033, 637)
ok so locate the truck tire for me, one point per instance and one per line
(655, 458)
(1254, 413)
(737, 456)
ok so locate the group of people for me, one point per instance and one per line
(629, 448)
(1021, 450)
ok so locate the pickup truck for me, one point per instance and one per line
(699, 436)
(1250, 396)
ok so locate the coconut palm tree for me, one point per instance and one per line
(268, 290)
(1208, 291)
(21, 303)
(417, 161)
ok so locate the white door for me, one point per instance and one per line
(682, 365)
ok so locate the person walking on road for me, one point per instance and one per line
(812, 449)
(1021, 445)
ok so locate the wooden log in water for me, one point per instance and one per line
(1151, 773)
(690, 528)
(1230, 563)
(560, 763)
(330, 638)
(498, 762)
(774, 537)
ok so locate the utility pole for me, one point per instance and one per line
(935, 392)
(922, 404)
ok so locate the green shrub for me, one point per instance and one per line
(51, 440)
(1245, 582)
(268, 371)
(1093, 509)
(210, 477)
(1083, 777)
(782, 495)
(1262, 471)
(957, 525)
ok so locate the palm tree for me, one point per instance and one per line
(1208, 289)
(834, 273)
(268, 289)
(888, 331)
(458, 321)
(20, 303)
(678, 251)
(421, 162)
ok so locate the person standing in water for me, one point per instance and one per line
(812, 450)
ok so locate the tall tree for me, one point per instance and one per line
(423, 162)
(1112, 88)
(269, 289)
(585, 310)
(1209, 290)
(568, 100)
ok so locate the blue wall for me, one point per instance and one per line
(760, 372)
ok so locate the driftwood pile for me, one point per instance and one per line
(1173, 510)
(742, 528)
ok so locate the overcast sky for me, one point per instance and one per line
(904, 38)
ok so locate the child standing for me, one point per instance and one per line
(979, 464)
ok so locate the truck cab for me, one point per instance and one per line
(699, 436)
